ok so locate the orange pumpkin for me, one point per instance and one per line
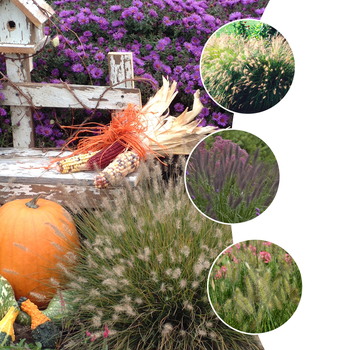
(34, 236)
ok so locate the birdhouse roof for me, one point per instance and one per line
(37, 11)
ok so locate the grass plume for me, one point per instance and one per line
(233, 186)
(255, 286)
(144, 260)
(247, 75)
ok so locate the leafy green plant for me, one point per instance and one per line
(247, 29)
(22, 345)
(255, 286)
(247, 75)
(142, 270)
(228, 184)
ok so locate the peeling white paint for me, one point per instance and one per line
(121, 68)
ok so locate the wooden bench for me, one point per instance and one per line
(21, 168)
(22, 172)
(22, 175)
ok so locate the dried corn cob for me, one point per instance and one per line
(105, 156)
(74, 164)
(124, 164)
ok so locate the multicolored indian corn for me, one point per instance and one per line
(91, 160)
(124, 164)
(104, 157)
(75, 163)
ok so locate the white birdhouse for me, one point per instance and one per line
(21, 25)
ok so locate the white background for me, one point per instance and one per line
(308, 131)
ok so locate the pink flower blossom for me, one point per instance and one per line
(288, 259)
(223, 269)
(220, 273)
(235, 260)
(228, 251)
(62, 301)
(106, 332)
(266, 256)
(252, 249)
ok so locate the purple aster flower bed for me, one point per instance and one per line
(166, 37)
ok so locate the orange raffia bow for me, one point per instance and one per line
(125, 127)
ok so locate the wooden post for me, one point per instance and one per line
(120, 65)
(18, 71)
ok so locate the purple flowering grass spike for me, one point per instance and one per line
(231, 199)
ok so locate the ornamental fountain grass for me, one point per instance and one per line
(142, 271)
(227, 184)
(247, 75)
(255, 286)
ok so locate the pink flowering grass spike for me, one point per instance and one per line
(221, 273)
(288, 259)
(106, 332)
(265, 256)
(266, 282)
(252, 249)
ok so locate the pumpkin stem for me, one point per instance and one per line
(32, 204)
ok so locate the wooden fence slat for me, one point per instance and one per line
(59, 96)
(18, 70)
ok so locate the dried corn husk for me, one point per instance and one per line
(177, 135)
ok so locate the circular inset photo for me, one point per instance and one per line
(232, 176)
(247, 66)
(254, 286)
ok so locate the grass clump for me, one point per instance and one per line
(229, 185)
(255, 286)
(247, 74)
(139, 281)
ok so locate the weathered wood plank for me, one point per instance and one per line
(23, 170)
(84, 196)
(18, 69)
(121, 68)
(29, 165)
(60, 96)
